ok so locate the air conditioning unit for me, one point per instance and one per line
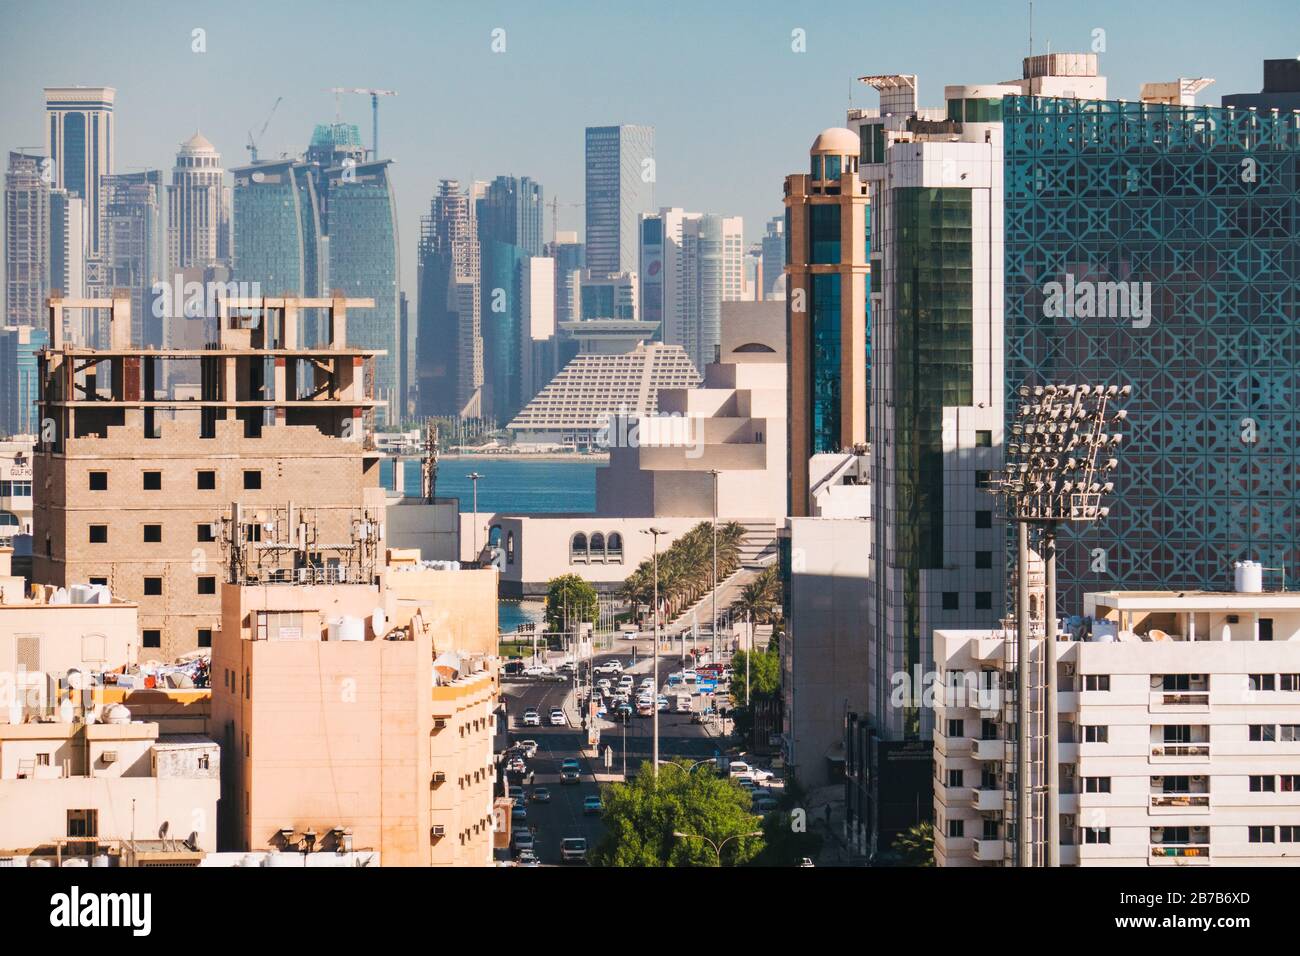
(1198, 779)
(439, 723)
(439, 777)
(109, 756)
(1158, 781)
(437, 832)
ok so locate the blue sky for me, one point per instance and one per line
(734, 107)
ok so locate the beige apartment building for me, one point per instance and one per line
(145, 490)
(1179, 734)
(360, 716)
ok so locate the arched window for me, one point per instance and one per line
(614, 547)
(598, 548)
(578, 549)
(510, 547)
(754, 347)
(494, 536)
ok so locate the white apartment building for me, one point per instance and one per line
(1179, 734)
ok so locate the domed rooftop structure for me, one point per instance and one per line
(197, 143)
(837, 140)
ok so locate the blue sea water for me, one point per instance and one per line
(514, 485)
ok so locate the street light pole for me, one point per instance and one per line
(474, 476)
(716, 847)
(655, 533)
(714, 631)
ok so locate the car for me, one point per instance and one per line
(532, 718)
(519, 813)
(591, 804)
(806, 861)
(611, 666)
(764, 805)
(516, 794)
(568, 667)
(662, 704)
(623, 711)
(512, 668)
(528, 858)
(746, 782)
(570, 771)
(645, 709)
(625, 682)
(683, 703)
(601, 712)
(604, 684)
(738, 767)
(541, 795)
(516, 765)
(557, 717)
(529, 748)
(523, 840)
(573, 849)
(537, 670)
(674, 680)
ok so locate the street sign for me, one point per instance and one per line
(609, 757)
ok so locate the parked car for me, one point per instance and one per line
(557, 717)
(764, 805)
(591, 804)
(573, 849)
(541, 795)
(532, 718)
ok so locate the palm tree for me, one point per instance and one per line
(760, 600)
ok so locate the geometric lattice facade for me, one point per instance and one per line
(1197, 210)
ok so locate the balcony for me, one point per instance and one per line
(1182, 701)
(1199, 752)
(1180, 802)
(994, 749)
(989, 851)
(987, 800)
(1184, 854)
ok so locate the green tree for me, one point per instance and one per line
(916, 845)
(760, 599)
(570, 601)
(764, 674)
(642, 818)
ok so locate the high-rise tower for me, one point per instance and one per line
(79, 130)
(620, 187)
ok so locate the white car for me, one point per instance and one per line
(738, 768)
(557, 718)
(537, 671)
(532, 718)
(611, 666)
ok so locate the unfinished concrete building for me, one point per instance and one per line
(136, 486)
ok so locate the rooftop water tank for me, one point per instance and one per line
(117, 714)
(1248, 577)
(352, 628)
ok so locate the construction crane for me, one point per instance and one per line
(555, 213)
(252, 143)
(374, 107)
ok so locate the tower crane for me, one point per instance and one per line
(252, 143)
(374, 107)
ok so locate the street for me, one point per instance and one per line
(563, 816)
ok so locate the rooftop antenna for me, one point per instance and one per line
(1031, 29)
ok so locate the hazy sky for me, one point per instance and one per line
(734, 107)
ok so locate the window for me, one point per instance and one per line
(956, 728)
(984, 518)
(103, 581)
(1287, 834)
(1289, 682)
(1290, 783)
(152, 638)
(1096, 834)
(204, 533)
(83, 823)
(983, 479)
(1098, 682)
(1096, 784)
(1289, 733)
(153, 481)
(983, 560)
(1263, 732)
(153, 586)
(578, 553)
(1096, 734)
(252, 531)
(983, 600)
(205, 637)
(1262, 682)
(1266, 629)
(1176, 785)
(252, 481)
(951, 601)
(1263, 783)
(1178, 734)
(207, 481)
(208, 585)
(152, 533)
(1263, 834)
(99, 534)
(956, 778)
(956, 829)
(983, 439)
(99, 481)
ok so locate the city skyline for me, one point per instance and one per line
(595, 83)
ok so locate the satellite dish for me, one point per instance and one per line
(378, 621)
(162, 830)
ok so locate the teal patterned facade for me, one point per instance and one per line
(1203, 204)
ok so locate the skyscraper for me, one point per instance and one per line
(68, 239)
(194, 202)
(620, 187)
(713, 272)
(135, 247)
(363, 263)
(19, 378)
(509, 218)
(79, 124)
(826, 309)
(773, 285)
(449, 340)
(27, 239)
(276, 229)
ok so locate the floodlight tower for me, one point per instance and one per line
(1063, 439)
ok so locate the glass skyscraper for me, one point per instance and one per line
(79, 122)
(135, 246)
(19, 384)
(277, 236)
(620, 187)
(1179, 223)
